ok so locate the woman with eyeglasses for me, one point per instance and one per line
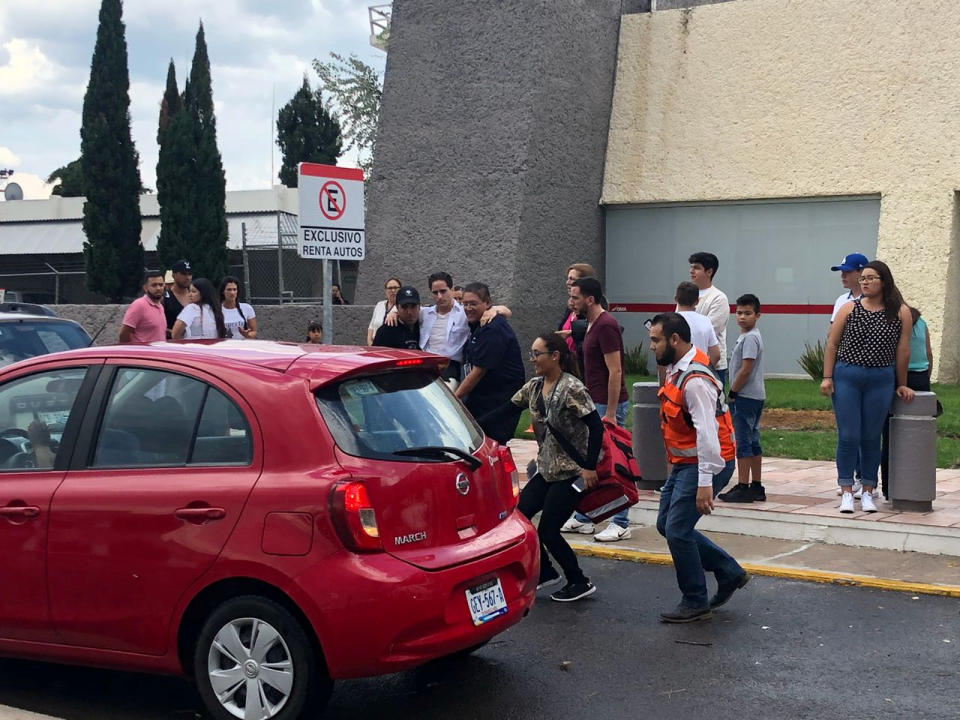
(384, 307)
(865, 362)
(559, 404)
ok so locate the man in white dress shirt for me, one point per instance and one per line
(444, 329)
(713, 303)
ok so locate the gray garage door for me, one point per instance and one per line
(779, 250)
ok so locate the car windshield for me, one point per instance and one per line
(22, 339)
(378, 415)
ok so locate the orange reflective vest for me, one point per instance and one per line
(679, 435)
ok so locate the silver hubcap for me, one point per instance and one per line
(250, 669)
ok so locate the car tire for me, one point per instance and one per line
(253, 644)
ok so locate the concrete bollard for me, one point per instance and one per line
(647, 438)
(913, 453)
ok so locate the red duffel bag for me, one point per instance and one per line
(617, 473)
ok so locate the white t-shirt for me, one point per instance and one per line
(841, 301)
(702, 335)
(379, 315)
(714, 304)
(234, 320)
(438, 333)
(200, 324)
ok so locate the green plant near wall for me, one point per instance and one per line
(811, 360)
(635, 360)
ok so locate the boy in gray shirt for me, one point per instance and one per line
(746, 397)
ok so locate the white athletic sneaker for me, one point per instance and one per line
(857, 488)
(846, 503)
(575, 526)
(866, 503)
(612, 533)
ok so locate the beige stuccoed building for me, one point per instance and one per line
(847, 111)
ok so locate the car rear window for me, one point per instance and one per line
(377, 415)
(24, 339)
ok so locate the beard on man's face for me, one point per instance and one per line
(669, 355)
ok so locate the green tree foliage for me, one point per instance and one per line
(112, 252)
(306, 132)
(191, 185)
(356, 89)
(71, 180)
(209, 256)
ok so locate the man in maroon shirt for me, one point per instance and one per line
(604, 377)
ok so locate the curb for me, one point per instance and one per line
(818, 576)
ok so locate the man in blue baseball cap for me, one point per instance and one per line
(849, 269)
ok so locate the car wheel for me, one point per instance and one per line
(254, 661)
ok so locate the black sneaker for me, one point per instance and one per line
(757, 492)
(725, 592)
(574, 591)
(740, 494)
(683, 614)
(548, 579)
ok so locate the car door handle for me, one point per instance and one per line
(200, 514)
(19, 511)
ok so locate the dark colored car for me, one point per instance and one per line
(24, 335)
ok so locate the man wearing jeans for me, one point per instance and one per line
(604, 377)
(698, 435)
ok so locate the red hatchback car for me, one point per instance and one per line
(264, 517)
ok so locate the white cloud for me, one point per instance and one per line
(7, 158)
(25, 68)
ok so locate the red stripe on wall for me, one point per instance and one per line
(331, 171)
(765, 308)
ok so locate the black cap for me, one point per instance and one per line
(408, 295)
(182, 266)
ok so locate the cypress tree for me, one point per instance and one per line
(112, 253)
(175, 176)
(306, 132)
(170, 104)
(209, 253)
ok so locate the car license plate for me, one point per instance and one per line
(486, 601)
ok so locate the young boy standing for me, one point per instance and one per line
(746, 398)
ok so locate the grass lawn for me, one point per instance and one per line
(822, 444)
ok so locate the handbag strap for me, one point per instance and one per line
(567, 446)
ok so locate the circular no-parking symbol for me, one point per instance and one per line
(333, 200)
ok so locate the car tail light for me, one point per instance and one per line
(509, 469)
(409, 361)
(354, 517)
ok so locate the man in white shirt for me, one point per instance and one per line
(712, 302)
(444, 329)
(698, 437)
(702, 334)
(849, 268)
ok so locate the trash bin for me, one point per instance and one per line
(647, 439)
(913, 453)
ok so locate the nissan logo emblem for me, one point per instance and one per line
(462, 484)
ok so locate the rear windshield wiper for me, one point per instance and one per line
(442, 451)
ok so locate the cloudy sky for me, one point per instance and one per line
(256, 47)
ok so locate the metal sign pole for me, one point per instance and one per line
(327, 304)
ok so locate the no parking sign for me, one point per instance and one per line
(331, 213)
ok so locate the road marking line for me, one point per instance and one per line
(820, 576)
(790, 552)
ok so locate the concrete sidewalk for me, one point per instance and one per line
(802, 505)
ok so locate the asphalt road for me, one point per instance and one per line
(779, 649)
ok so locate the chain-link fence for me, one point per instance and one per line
(44, 279)
(273, 272)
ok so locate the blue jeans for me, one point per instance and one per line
(621, 517)
(745, 413)
(722, 376)
(861, 399)
(692, 552)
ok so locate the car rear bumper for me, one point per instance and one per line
(392, 616)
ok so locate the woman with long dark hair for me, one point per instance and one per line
(865, 362)
(559, 404)
(239, 317)
(202, 318)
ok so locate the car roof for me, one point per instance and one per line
(18, 316)
(320, 363)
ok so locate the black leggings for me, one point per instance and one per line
(555, 502)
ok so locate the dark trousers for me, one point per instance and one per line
(919, 381)
(555, 502)
(692, 552)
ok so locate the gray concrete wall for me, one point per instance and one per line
(274, 322)
(489, 159)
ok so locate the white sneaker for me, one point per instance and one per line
(575, 526)
(612, 533)
(846, 503)
(857, 489)
(866, 503)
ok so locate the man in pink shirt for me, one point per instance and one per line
(144, 321)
